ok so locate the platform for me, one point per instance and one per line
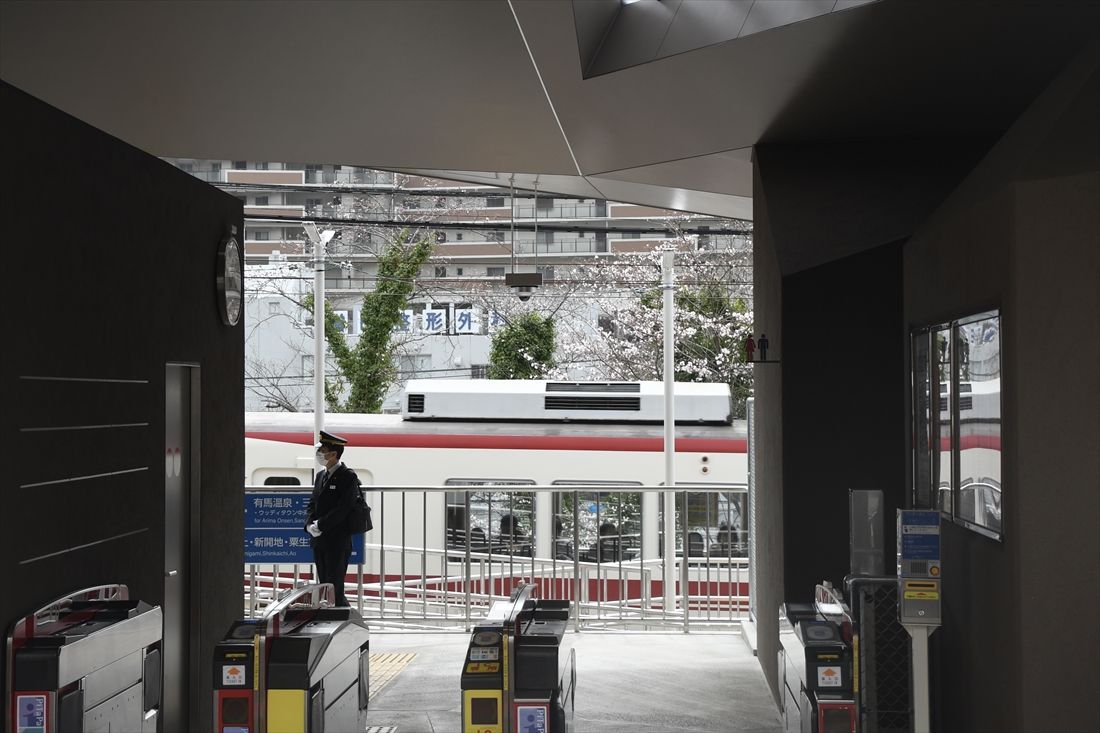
(626, 682)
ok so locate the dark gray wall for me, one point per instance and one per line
(1016, 227)
(843, 365)
(113, 256)
(828, 293)
(1022, 233)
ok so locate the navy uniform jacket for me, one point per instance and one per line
(330, 505)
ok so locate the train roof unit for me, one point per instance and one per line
(554, 401)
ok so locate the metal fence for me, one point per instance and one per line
(438, 575)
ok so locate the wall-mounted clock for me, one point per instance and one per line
(230, 281)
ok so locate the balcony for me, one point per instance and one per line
(283, 177)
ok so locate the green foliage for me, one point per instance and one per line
(369, 366)
(522, 348)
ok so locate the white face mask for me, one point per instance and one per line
(321, 460)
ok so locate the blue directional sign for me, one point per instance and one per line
(920, 535)
(274, 529)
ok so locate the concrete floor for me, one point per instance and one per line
(626, 682)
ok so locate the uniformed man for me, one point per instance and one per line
(335, 490)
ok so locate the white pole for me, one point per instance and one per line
(921, 709)
(667, 264)
(318, 338)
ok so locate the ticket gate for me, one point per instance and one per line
(815, 668)
(517, 677)
(88, 661)
(302, 668)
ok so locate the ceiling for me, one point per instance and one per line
(491, 90)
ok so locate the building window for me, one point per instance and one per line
(632, 235)
(546, 271)
(458, 272)
(261, 166)
(346, 322)
(186, 167)
(260, 201)
(494, 236)
(479, 371)
(261, 235)
(313, 203)
(274, 308)
(494, 271)
(216, 166)
(458, 236)
(956, 409)
(240, 165)
(440, 271)
(494, 202)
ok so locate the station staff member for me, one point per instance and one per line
(335, 490)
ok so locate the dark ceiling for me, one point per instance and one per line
(489, 90)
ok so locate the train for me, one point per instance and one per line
(512, 433)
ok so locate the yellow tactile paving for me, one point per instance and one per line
(384, 667)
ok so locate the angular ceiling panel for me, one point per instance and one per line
(699, 24)
(499, 85)
(386, 83)
(668, 197)
(728, 173)
(565, 185)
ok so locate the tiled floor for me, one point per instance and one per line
(626, 683)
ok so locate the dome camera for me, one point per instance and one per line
(524, 283)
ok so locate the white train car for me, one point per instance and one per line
(490, 432)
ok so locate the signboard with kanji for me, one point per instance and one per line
(433, 320)
(274, 529)
(466, 321)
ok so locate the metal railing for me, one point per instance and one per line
(450, 580)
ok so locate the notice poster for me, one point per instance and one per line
(233, 674)
(829, 677)
(531, 718)
(30, 713)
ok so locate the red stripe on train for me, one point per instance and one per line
(515, 442)
(966, 442)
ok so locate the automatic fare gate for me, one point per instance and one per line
(517, 678)
(302, 668)
(89, 661)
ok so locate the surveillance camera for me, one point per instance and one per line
(524, 283)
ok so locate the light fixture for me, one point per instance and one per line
(524, 283)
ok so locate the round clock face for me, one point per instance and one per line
(230, 281)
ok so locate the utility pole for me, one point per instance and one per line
(319, 241)
(668, 288)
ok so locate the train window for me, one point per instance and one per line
(717, 520)
(956, 377)
(282, 481)
(501, 522)
(608, 524)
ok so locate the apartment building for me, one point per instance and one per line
(481, 234)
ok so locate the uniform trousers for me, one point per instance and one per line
(331, 559)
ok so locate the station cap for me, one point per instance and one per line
(330, 439)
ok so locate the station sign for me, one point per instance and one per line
(274, 529)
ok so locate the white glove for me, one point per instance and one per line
(314, 530)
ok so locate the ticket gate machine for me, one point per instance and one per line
(88, 661)
(816, 667)
(516, 677)
(302, 668)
